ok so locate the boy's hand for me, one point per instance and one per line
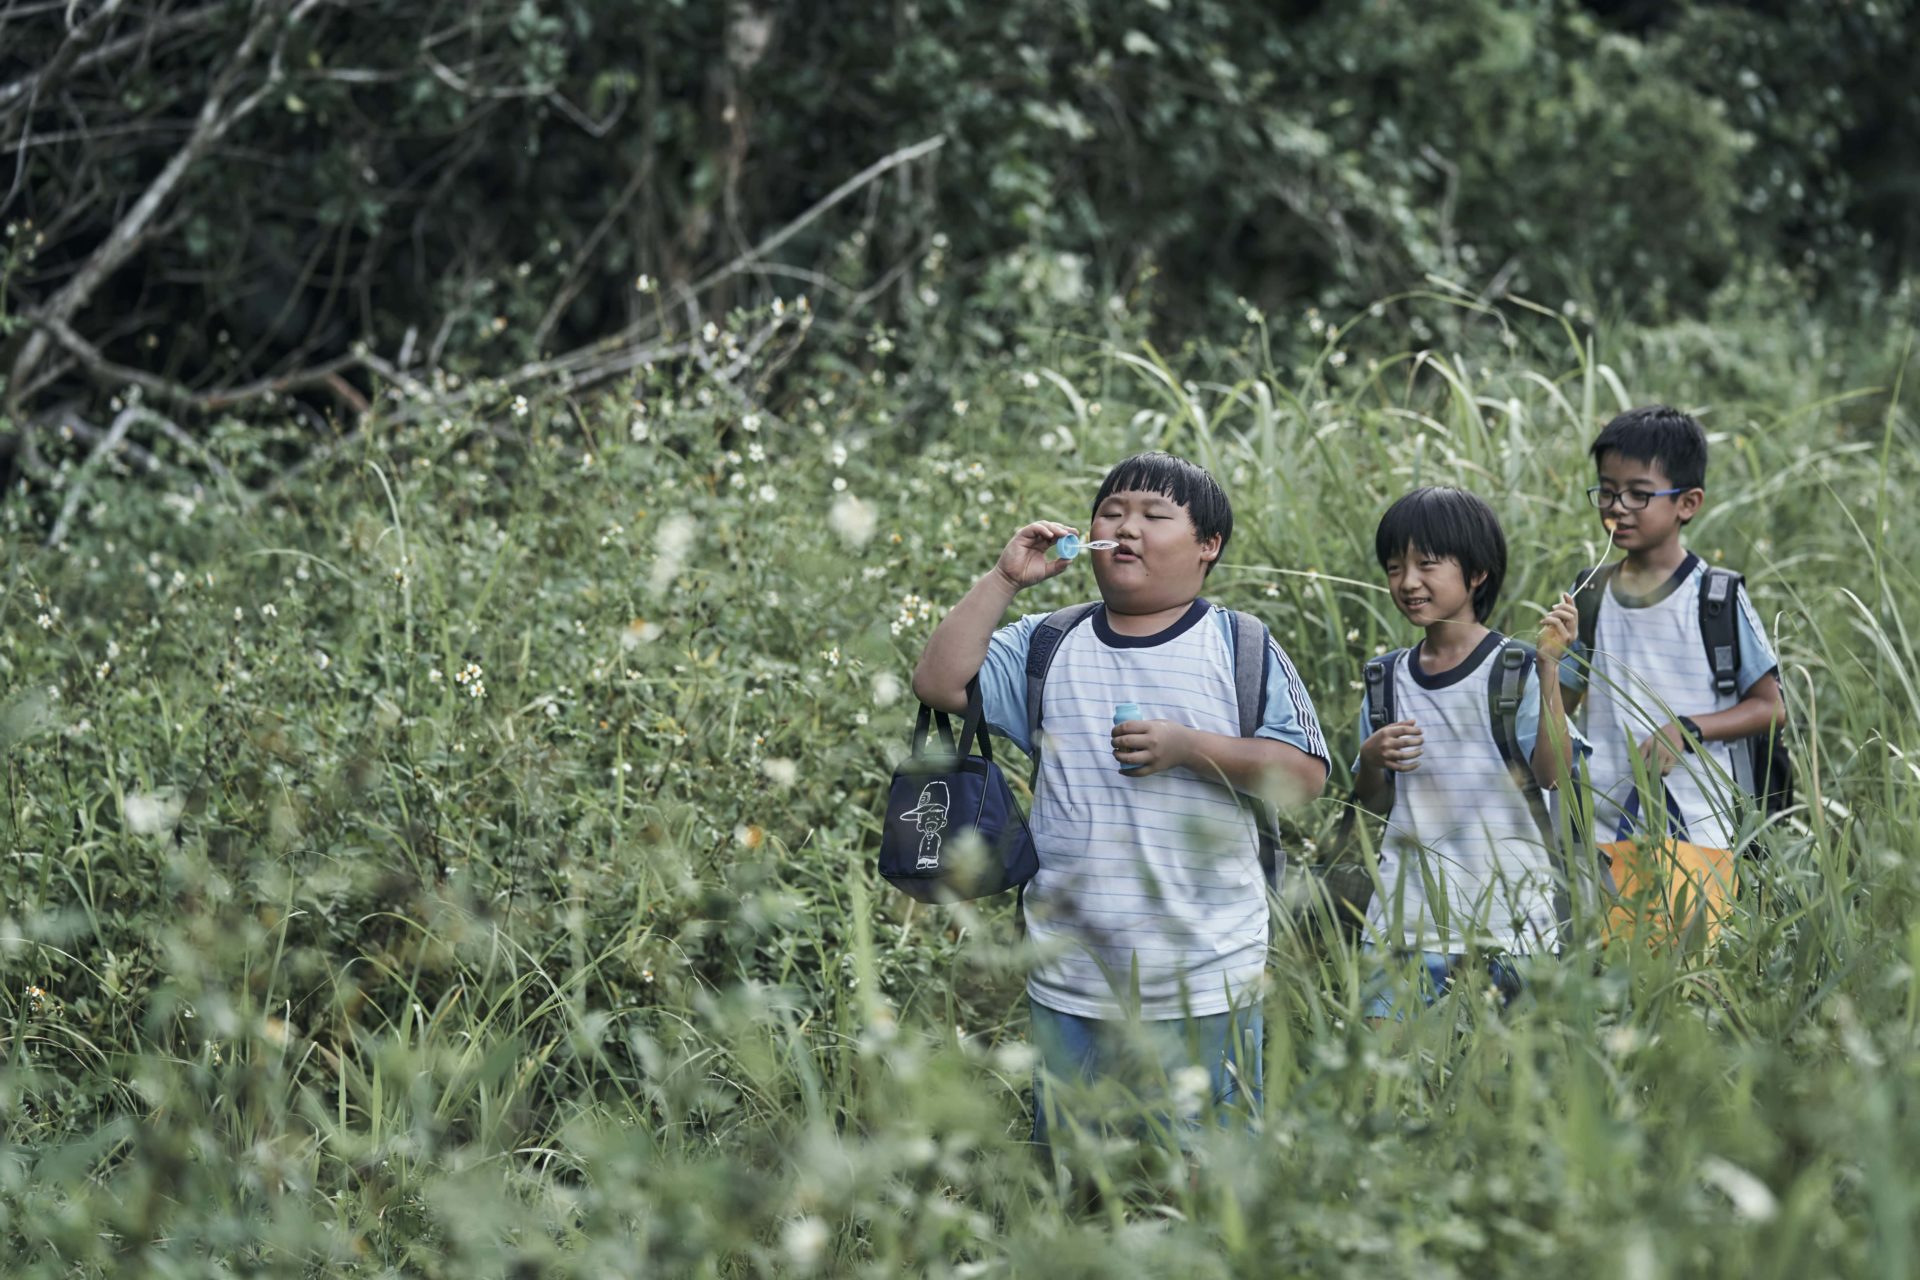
(1395, 748)
(1147, 747)
(1559, 630)
(1663, 749)
(1024, 561)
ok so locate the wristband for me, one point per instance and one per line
(1692, 731)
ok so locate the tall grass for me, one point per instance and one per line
(589, 975)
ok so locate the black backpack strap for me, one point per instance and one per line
(1506, 687)
(1588, 590)
(1720, 627)
(1720, 635)
(1041, 647)
(1379, 677)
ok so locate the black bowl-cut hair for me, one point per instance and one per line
(1187, 484)
(1448, 524)
(1659, 436)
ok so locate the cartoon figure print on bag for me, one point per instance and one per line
(931, 816)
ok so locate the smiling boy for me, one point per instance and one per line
(1643, 677)
(1460, 735)
(1149, 907)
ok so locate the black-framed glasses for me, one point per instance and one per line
(1628, 499)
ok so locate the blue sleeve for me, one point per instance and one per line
(1527, 722)
(1756, 655)
(1003, 680)
(1288, 716)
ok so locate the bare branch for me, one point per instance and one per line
(78, 38)
(78, 489)
(215, 119)
(327, 375)
(165, 26)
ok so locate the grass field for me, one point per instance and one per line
(456, 860)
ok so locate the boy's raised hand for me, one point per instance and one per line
(1559, 629)
(1023, 562)
(1395, 748)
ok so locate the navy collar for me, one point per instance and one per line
(1113, 639)
(1452, 675)
(1628, 601)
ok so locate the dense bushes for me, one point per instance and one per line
(492, 186)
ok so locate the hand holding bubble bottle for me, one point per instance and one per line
(1125, 713)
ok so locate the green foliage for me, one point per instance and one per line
(495, 186)
(457, 859)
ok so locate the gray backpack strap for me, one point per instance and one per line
(1505, 688)
(1249, 670)
(1044, 643)
(1250, 692)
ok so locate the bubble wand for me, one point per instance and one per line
(1610, 522)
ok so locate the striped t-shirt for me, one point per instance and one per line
(1650, 665)
(1464, 863)
(1149, 880)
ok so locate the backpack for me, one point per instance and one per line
(1513, 660)
(1764, 769)
(1249, 687)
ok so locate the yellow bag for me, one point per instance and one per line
(1666, 891)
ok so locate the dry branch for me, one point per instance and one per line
(217, 116)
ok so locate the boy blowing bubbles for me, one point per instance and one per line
(1149, 906)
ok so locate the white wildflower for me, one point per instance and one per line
(153, 813)
(805, 1240)
(852, 520)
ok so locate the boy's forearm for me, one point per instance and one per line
(1759, 712)
(1370, 787)
(1259, 766)
(1553, 745)
(958, 646)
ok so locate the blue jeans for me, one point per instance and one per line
(1438, 970)
(1141, 1066)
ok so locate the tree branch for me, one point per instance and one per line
(215, 119)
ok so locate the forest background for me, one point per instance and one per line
(476, 479)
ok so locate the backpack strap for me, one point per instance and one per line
(1041, 647)
(1380, 675)
(1249, 670)
(1250, 692)
(1588, 590)
(1720, 628)
(1506, 686)
(1720, 634)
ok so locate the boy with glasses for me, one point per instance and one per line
(1646, 683)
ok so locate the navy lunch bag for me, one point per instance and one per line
(953, 830)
